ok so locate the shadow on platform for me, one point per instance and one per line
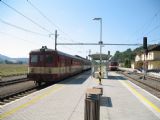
(115, 78)
(106, 101)
(107, 85)
(77, 79)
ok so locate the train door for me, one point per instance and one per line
(41, 63)
(66, 66)
(70, 66)
(49, 70)
(49, 61)
(60, 66)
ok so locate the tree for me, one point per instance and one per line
(127, 56)
(127, 63)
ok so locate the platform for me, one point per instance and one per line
(121, 100)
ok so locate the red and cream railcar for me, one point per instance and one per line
(113, 65)
(48, 65)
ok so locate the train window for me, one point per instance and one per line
(34, 58)
(114, 63)
(49, 58)
(41, 58)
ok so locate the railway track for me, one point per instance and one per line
(17, 89)
(9, 82)
(11, 92)
(15, 95)
(148, 77)
(150, 84)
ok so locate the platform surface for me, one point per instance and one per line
(121, 100)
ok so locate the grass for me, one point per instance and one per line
(13, 69)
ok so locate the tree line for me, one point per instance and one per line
(126, 57)
(10, 62)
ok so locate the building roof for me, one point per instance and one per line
(97, 56)
(154, 47)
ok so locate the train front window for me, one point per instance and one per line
(49, 59)
(114, 63)
(34, 58)
(41, 58)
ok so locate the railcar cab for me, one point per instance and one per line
(113, 65)
(39, 61)
(48, 65)
(42, 58)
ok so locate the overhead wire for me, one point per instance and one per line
(50, 21)
(151, 20)
(155, 40)
(66, 45)
(149, 23)
(23, 29)
(35, 23)
(158, 26)
(13, 36)
(33, 43)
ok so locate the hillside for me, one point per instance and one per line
(6, 59)
(3, 57)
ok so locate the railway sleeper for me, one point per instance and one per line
(144, 83)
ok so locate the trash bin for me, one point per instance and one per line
(92, 107)
(100, 88)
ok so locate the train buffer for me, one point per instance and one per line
(121, 100)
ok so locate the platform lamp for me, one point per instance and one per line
(100, 42)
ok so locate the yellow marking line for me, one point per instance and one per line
(97, 80)
(142, 98)
(31, 102)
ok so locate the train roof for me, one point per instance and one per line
(45, 49)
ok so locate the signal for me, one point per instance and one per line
(145, 43)
(108, 53)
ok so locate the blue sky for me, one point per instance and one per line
(124, 21)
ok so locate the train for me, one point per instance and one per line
(48, 65)
(113, 65)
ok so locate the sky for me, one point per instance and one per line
(25, 28)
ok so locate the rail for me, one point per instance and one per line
(9, 82)
(15, 93)
(151, 82)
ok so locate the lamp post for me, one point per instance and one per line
(100, 42)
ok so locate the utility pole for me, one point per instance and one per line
(56, 40)
(107, 64)
(100, 43)
(89, 53)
